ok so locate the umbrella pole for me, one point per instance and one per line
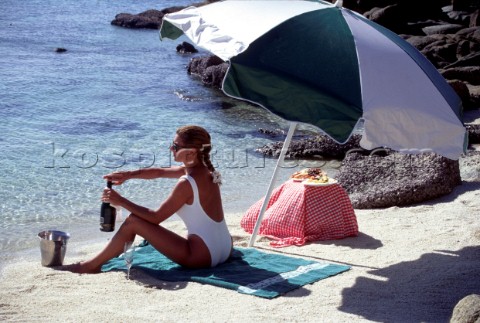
(286, 144)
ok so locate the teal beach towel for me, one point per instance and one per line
(248, 271)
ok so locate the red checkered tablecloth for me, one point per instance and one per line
(297, 214)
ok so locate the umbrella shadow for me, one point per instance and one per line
(423, 290)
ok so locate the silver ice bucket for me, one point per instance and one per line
(53, 245)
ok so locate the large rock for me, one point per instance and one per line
(442, 29)
(198, 65)
(186, 48)
(467, 310)
(150, 19)
(463, 92)
(389, 17)
(213, 75)
(473, 133)
(474, 91)
(320, 146)
(385, 179)
(210, 69)
(469, 74)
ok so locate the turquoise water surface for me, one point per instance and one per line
(111, 102)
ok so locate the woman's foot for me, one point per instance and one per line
(81, 268)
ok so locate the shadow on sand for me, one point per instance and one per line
(424, 290)
(457, 192)
(362, 241)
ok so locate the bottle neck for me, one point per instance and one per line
(109, 185)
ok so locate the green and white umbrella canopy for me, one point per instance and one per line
(320, 64)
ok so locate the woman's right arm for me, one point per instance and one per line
(181, 193)
(145, 173)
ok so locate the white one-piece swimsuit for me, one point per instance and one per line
(214, 234)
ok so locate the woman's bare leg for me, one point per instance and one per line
(190, 252)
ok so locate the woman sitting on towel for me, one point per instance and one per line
(195, 198)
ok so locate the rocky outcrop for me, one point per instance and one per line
(314, 147)
(473, 133)
(467, 310)
(186, 48)
(447, 32)
(384, 178)
(150, 19)
(210, 69)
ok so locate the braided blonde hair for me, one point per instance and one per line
(197, 137)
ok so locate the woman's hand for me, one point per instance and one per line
(117, 178)
(111, 196)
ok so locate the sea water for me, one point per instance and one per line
(111, 102)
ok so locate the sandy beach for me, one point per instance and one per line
(113, 98)
(410, 264)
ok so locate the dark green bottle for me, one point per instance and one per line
(107, 215)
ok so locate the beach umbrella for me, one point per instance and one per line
(318, 63)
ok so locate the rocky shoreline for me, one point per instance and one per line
(447, 32)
